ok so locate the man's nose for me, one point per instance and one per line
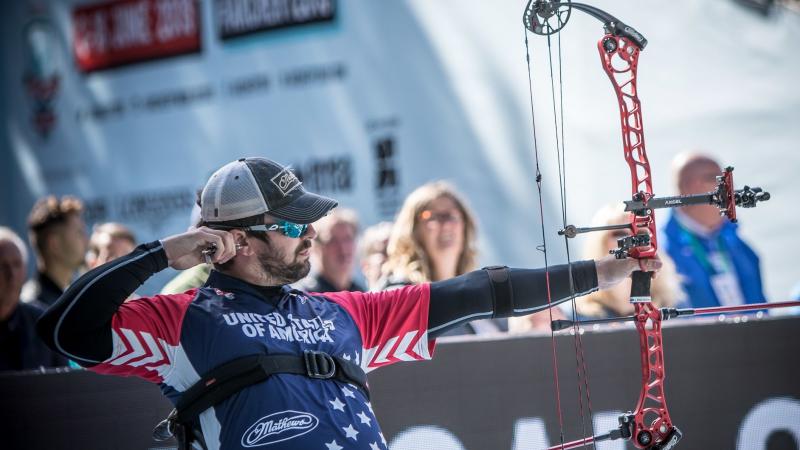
(311, 232)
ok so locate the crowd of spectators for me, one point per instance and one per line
(62, 250)
(433, 238)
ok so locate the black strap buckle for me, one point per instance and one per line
(166, 428)
(319, 365)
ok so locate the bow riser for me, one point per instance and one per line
(651, 423)
(619, 57)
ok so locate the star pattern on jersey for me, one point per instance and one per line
(347, 392)
(346, 356)
(332, 445)
(337, 404)
(364, 418)
(369, 405)
(383, 439)
(374, 446)
(350, 432)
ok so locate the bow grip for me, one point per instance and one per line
(640, 286)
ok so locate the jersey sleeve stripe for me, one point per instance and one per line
(113, 267)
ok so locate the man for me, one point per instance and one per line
(108, 242)
(718, 268)
(58, 236)
(257, 232)
(20, 347)
(334, 254)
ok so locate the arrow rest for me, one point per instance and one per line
(625, 244)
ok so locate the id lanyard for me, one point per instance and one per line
(722, 262)
(720, 270)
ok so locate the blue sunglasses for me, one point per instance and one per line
(290, 229)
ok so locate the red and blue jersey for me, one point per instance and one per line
(173, 340)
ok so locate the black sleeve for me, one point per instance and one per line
(524, 291)
(78, 325)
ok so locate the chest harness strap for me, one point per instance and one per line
(231, 377)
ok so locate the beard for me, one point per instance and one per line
(272, 262)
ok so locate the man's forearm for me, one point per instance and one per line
(472, 296)
(78, 325)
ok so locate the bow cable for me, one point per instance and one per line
(558, 113)
(561, 156)
(543, 246)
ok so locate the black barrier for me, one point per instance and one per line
(499, 394)
(728, 386)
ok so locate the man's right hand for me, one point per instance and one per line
(185, 250)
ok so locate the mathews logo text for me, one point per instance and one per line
(277, 427)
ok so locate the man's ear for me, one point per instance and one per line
(242, 242)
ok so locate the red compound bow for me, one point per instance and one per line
(649, 426)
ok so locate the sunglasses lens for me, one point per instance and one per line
(294, 230)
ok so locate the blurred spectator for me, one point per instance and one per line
(20, 347)
(58, 236)
(372, 252)
(433, 239)
(334, 253)
(717, 266)
(109, 241)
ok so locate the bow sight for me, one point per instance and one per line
(723, 197)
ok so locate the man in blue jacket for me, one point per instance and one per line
(718, 268)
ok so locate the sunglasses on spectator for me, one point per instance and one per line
(289, 229)
(428, 216)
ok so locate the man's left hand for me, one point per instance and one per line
(611, 270)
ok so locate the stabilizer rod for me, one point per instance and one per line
(671, 313)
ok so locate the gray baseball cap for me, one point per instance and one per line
(251, 186)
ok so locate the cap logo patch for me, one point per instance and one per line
(286, 181)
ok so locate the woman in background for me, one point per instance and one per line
(433, 239)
